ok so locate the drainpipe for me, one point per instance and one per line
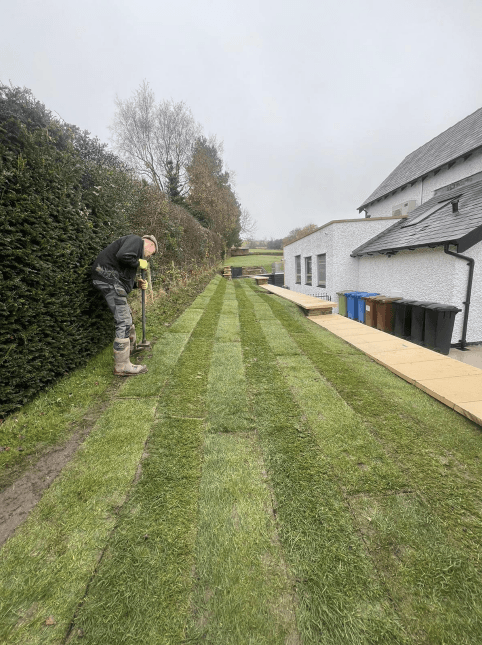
(471, 265)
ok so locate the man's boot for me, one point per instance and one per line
(123, 366)
(132, 339)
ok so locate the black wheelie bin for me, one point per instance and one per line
(403, 318)
(439, 325)
(418, 321)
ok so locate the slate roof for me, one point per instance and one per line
(460, 139)
(463, 229)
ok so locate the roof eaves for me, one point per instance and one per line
(469, 240)
(391, 250)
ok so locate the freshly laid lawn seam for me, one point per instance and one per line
(243, 592)
(142, 588)
(340, 599)
(141, 593)
(185, 394)
(226, 389)
(46, 565)
(437, 449)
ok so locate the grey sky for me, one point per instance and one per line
(316, 102)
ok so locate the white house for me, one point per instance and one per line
(421, 235)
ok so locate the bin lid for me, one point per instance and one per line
(437, 306)
(421, 303)
(385, 299)
(372, 296)
(404, 301)
(343, 293)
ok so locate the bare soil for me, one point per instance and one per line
(20, 497)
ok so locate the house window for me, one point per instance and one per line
(308, 270)
(322, 270)
(298, 268)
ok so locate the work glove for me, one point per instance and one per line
(142, 284)
(143, 264)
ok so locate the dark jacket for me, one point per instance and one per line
(118, 262)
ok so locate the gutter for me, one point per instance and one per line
(471, 265)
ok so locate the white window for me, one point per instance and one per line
(298, 268)
(322, 270)
(308, 270)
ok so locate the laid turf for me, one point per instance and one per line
(265, 484)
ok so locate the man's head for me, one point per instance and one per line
(150, 245)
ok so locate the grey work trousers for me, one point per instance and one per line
(116, 298)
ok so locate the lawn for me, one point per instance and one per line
(264, 483)
(255, 260)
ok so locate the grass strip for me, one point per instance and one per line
(141, 591)
(242, 593)
(226, 389)
(437, 449)
(185, 394)
(46, 565)
(340, 599)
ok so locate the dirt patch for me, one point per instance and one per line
(18, 499)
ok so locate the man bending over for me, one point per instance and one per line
(114, 274)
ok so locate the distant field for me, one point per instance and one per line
(251, 260)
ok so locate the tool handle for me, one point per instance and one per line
(143, 296)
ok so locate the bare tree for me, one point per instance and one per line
(156, 139)
(248, 225)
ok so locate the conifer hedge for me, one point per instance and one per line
(63, 198)
(57, 211)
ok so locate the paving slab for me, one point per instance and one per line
(410, 354)
(426, 370)
(454, 389)
(473, 410)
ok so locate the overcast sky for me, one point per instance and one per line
(316, 102)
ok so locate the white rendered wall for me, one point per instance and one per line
(432, 275)
(423, 191)
(337, 239)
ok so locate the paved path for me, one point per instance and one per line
(452, 382)
(456, 384)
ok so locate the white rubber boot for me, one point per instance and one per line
(133, 339)
(123, 366)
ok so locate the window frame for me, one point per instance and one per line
(297, 269)
(309, 259)
(321, 283)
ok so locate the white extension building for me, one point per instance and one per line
(421, 235)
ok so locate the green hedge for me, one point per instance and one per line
(56, 214)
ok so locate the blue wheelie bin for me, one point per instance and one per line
(351, 304)
(362, 305)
